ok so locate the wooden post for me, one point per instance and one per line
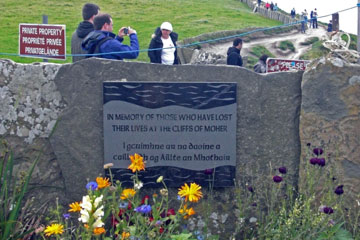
(45, 21)
(358, 30)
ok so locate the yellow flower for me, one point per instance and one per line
(54, 228)
(102, 182)
(125, 235)
(187, 211)
(127, 193)
(137, 163)
(75, 207)
(192, 193)
(160, 179)
(99, 230)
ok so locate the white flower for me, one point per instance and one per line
(138, 185)
(99, 212)
(84, 217)
(86, 203)
(160, 179)
(98, 223)
(252, 219)
(97, 201)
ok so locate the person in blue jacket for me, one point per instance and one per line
(102, 40)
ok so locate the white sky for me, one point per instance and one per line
(347, 19)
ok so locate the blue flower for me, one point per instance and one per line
(66, 216)
(339, 190)
(180, 198)
(91, 186)
(283, 170)
(143, 209)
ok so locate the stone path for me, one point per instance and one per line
(270, 43)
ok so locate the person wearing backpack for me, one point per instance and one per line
(102, 40)
(89, 12)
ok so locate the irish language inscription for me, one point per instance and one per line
(184, 131)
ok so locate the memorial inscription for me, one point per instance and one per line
(181, 129)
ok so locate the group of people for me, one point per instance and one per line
(271, 6)
(313, 19)
(94, 35)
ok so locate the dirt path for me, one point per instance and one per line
(270, 43)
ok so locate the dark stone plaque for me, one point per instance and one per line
(186, 132)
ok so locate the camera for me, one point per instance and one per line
(126, 31)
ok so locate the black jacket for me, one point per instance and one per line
(233, 57)
(155, 56)
(81, 32)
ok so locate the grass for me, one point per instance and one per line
(317, 50)
(285, 45)
(189, 18)
(258, 51)
(310, 41)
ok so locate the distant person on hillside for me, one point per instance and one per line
(315, 22)
(330, 27)
(304, 20)
(267, 5)
(276, 7)
(102, 40)
(89, 11)
(164, 38)
(260, 66)
(311, 19)
(293, 13)
(233, 53)
(259, 2)
(272, 6)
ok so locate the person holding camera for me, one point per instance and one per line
(102, 40)
(164, 44)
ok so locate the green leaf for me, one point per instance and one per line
(343, 234)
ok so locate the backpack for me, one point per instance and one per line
(91, 43)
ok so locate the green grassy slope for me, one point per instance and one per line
(189, 18)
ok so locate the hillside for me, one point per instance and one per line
(189, 18)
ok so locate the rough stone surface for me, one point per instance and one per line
(267, 125)
(268, 113)
(330, 118)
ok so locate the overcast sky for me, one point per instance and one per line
(347, 19)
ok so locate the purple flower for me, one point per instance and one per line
(66, 216)
(91, 185)
(251, 189)
(277, 179)
(318, 151)
(321, 162)
(158, 223)
(283, 170)
(314, 161)
(339, 190)
(143, 209)
(254, 204)
(209, 171)
(328, 210)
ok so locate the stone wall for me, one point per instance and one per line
(34, 96)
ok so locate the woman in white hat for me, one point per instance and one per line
(164, 44)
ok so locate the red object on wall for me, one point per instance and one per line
(284, 65)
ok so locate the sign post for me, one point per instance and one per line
(42, 41)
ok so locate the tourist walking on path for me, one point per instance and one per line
(164, 40)
(304, 20)
(89, 11)
(267, 5)
(260, 66)
(272, 6)
(276, 7)
(315, 15)
(311, 18)
(233, 53)
(259, 3)
(102, 40)
(293, 13)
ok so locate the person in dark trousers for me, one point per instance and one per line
(330, 26)
(233, 53)
(272, 6)
(259, 3)
(293, 13)
(315, 22)
(260, 66)
(102, 40)
(311, 19)
(164, 40)
(89, 11)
